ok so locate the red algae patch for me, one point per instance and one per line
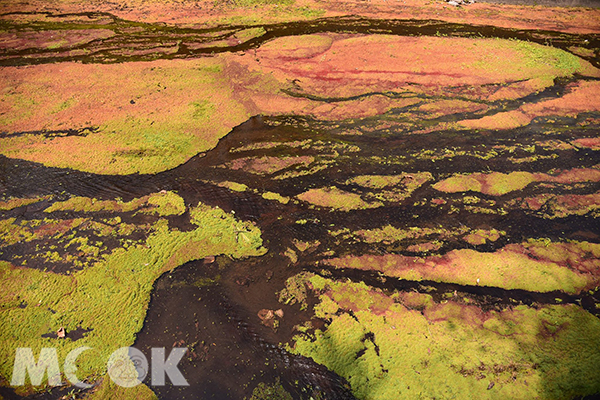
(498, 183)
(269, 165)
(576, 20)
(337, 199)
(570, 267)
(297, 47)
(581, 97)
(590, 143)
(51, 40)
(502, 120)
(145, 116)
(560, 206)
(356, 65)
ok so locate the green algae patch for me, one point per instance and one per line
(495, 183)
(276, 197)
(122, 281)
(87, 204)
(482, 236)
(335, 198)
(235, 186)
(109, 390)
(533, 266)
(406, 346)
(498, 183)
(561, 206)
(389, 234)
(274, 391)
(12, 232)
(390, 188)
(166, 203)
(11, 204)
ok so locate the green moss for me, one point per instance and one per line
(276, 197)
(451, 350)
(109, 390)
(236, 187)
(568, 267)
(270, 392)
(337, 199)
(86, 204)
(294, 291)
(13, 203)
(122, 280)
(166, 203)
(495, 183)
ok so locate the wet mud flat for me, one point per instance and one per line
(405, 226)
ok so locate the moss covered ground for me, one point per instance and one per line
(538, 265)
(448, 156)
(110, 297)
(405, 345)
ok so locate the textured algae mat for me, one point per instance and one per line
(316, 200)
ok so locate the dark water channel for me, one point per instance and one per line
(211, 305)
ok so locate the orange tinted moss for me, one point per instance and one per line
(570, 267)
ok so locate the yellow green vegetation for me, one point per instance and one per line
(13, 203)
(122, 281)
(236, 187)
(481, 236)
(335, 198)
(396, 187)
(406, 346)
(148, 116)
(270, 392)
(276, 197)
(109, 390)
(539, 266)
(295, 290)
(166, 203)
(69, 236)
(12, 231)
(541, 62)
(495, 183)
(163, 203)
(389, 234)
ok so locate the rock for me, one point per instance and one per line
(61, 333)
(267, 318)
(209, 260)
(279, 313)
(265, 314)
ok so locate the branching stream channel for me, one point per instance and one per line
(396, 248)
